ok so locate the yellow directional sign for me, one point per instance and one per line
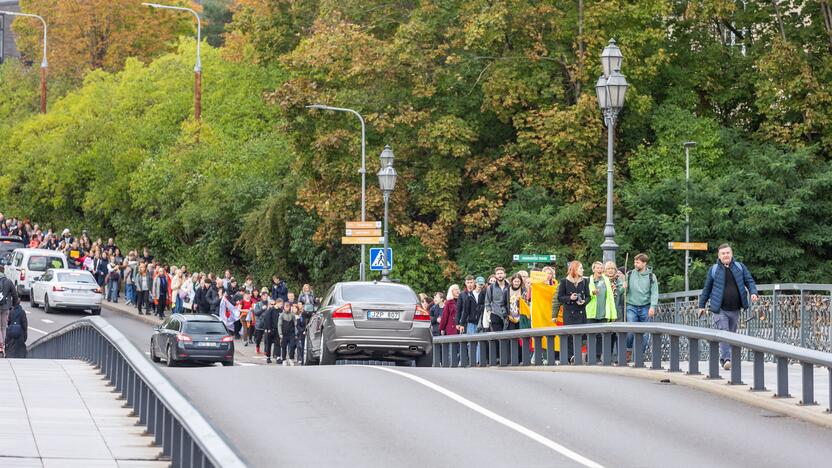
(373, 240)
(363, 224)
(363, 232)
(687, 245)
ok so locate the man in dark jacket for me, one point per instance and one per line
(470, 299)
(8, 301)
(201, 304)
(279, 289)
(270, 322)
(496, 300)
(17, 333)
(727, 286)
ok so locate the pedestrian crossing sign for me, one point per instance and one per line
(377, 259)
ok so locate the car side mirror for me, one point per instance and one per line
(157, 328)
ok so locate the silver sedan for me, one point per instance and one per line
(61, 288)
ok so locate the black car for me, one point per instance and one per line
(9, 243)
(192, 337)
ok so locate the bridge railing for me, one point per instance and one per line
(514, 348)
(791, 313)
(182, 432)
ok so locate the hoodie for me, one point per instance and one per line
(642, 288)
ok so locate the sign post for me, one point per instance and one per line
(532, 259)
(363, 233)
(687, 247)
(377, 259)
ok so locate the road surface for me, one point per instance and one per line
(408, 417)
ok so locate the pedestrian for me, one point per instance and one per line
(616, 279)
(496, 301)
(99, 268)
(279, 289)
(436, 312)
(447, 324)
(601, 305)
(246, 318)
(143, 283)
(307, 298)
(8, 300)
(469, 312)
(259, 318)
(290, 298)
(226, 280)
(286, 330)
(642, 296)
(186, 293)
(229, 313)
(175, 286)
(129, 268)
(727, 287)
(17, 332)
(573, 293)
(159, 292)
(302, 317)
(270, 333)
(113, 281)
(516, 293)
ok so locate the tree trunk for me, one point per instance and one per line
(827, 19)
(581, 47)
(775, 4)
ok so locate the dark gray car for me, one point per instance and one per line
(370, 320)
(192, 337)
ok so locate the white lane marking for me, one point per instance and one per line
(147, 352)
(496, 417)
(47, 321)
(244, 364)
(27, 311)
(39, 331)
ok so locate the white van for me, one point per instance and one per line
(28, 265)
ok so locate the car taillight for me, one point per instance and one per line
(98, 290)
(343, 312)
(421, 314)
(183, 337)
(57, 288)
(22, 275)
(227, 339)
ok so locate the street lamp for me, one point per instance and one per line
(361, 269)
(198, 66)
(610, 89)
(688, 145)
(43, 64)
(387, 182)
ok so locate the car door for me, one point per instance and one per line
(160, 341)
(39, 287)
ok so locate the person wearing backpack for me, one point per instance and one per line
(8, 301)
(286, 327)
(728, 295)
(17, 333)
(642, 296)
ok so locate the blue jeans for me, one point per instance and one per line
(471, 329)
(177, 309)
(130, 292)
(638, 314)
(728, 321)
(112, 291)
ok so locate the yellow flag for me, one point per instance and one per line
(524, 309)
(542, 296)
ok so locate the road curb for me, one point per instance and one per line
(764, 400)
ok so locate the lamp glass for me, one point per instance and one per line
(601, 92)
(617, 88)
(387, 179)
(386, 156)
(611, 58)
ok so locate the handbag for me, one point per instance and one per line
(15, 329)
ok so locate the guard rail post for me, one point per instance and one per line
(656, 340)
(713, 360)
(808, 389)
(736, 365)
(782, 377)
(693, 356)
(759, 372)
(674, 354)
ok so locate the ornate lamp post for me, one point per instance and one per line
(43, 63)
(387, 182)
(610, 88)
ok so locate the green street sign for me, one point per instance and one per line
(533, 258)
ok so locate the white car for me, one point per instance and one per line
(62, 288)
(27, 265)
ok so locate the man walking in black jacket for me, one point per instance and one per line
(270, 323)
(8, 301)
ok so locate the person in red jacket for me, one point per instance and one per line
(448, 325)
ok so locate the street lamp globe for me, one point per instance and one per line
(616, 89)
(386, 156)
(611, 58)
(601, 91)
(387, 178)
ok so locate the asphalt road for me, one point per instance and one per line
(368, 416)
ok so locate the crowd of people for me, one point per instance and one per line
(275, 317)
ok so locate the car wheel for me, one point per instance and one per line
(308, 357)
(153, 356)
(96, 311)
(46, 307)
(169, 358)
(327, 358)
(425, 360)
(32, 301)
(228, 363)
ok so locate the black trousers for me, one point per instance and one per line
(572, 318)
(141, 301)
(160, 305)
(258, 337)
(287, 347)
(300, 345)
(272, 343)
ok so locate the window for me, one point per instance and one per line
(205, 327)
(328, 297)
(378, 294)
(173, 325)
(76, 277)
(43, 262)
(46, 276)
(18, 259)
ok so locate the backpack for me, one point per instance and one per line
(15, 329)
(652, 277)
(712, 272)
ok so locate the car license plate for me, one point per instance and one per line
(207, 344)
(382, 315)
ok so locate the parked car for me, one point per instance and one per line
(192, 337)
(370, 320)
(10, 243)
(62, 288)
(28, 265)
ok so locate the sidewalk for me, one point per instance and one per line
(61, 413)
(243, 355)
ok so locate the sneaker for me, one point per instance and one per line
(268, 360)
(258, 350)
(727, 365)
(286, 362)
(246, 344)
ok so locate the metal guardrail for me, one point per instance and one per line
(794, 313)
(505, 349)
(182, 432)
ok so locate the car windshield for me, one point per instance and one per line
(205, 327)
(43, 263)
(378, 294)
(76, 277)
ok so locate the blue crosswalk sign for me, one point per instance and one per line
(377, 259)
